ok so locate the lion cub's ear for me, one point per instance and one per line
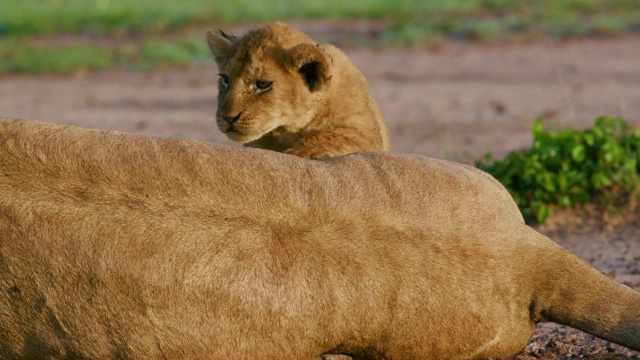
(220, 44)
(312, 63)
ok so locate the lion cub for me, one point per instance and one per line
(279, 90)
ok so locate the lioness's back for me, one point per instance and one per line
(201, 173)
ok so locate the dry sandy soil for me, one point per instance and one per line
(449, 100)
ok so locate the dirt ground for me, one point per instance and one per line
(448, 100)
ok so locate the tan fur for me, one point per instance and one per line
(126, 246)
(317, 105)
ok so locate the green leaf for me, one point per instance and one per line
(578, 153)
(589, 139)
(548, 183)
(538, 127)
(543, 213)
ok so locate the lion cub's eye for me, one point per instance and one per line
(263, 85)
(224, 80)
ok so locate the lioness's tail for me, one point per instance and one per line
(574, 293)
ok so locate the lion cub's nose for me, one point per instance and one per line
(232, 119)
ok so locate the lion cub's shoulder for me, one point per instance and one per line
(279, 90)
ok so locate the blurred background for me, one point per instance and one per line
(455, 78)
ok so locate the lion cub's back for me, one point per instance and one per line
(352, 86)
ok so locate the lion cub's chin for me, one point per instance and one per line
(243, 138)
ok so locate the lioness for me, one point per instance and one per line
(278, 90)
(126, 246)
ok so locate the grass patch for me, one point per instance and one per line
(144, 55)
(157, 52)
(98, 17)
(570, 168)
(17, 58)
(411, 22)
(43, 17)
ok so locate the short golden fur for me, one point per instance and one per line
(126, 246)
(278, 90)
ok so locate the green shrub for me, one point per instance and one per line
(569, 168)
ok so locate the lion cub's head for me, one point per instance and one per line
(269, 78)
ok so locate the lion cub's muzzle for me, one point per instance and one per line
(225, 123)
